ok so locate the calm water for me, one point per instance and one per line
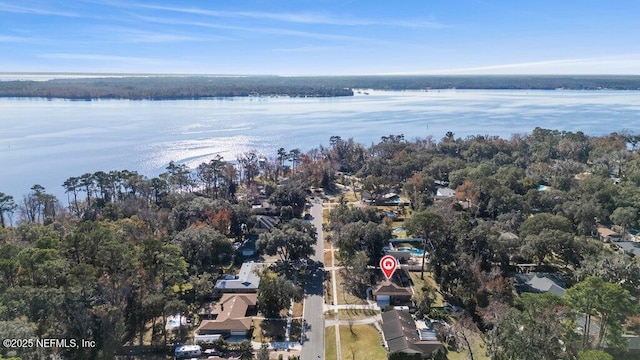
(45, 142)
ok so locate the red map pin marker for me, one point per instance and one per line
(388, 264)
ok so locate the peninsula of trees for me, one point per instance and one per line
(164, 87)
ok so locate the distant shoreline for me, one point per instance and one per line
(188, 87)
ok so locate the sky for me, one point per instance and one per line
(321, 37)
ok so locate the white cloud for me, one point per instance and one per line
(290, 17)
(11, 8)
(259, 30)
(14, 39)
(123, 34)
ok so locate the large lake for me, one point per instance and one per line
(47, 141)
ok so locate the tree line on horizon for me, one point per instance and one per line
(163, 87)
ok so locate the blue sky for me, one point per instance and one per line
(322, 37)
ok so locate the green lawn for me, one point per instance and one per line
(356, 314)
(477, 346)
(350, 197)
(328, 292)
(330, 343)
(275, 330)
(344, 297)
(361, 342)
(325, 215)
(428, 279)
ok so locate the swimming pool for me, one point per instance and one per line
(413, 251)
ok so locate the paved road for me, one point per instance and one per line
(313, 347)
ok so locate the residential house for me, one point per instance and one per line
(265, 223)
(388, 199)
(607, 235)
(402, 336)
(246, 281)
(445, 193)
(231, 316)
(388, 294)
(261, 206)
(540, 283)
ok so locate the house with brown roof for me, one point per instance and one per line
(402, 336)
(388, 293)
(607, 235)
(231, 316)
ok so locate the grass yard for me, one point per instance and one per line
(361, 342)
(344, 297)
(257, 330)
(327, 258)
(477, 346)
(330, 343)
(325, 215)
(356, 314)
(297, 309)
(350, 197)
(328, 292)
(428, 279)
(275, 330)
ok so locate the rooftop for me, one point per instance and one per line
(540, 283)
(445, 192)
(265, 222)
(401, 335)
(389, 288)
(606, 232)
(230, 312)
(248, 278)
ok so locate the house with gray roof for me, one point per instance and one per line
(445, 193)
(540, 283)
(402, 336)
(246, 281)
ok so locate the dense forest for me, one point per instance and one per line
(162, 87)
(123, 251)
